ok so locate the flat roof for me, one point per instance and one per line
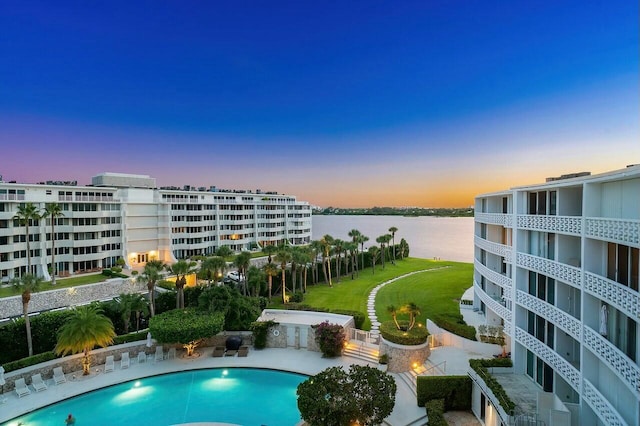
(283, 316)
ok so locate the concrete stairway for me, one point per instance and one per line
(361, 351)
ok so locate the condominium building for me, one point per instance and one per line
(557, 264)
(126, 216)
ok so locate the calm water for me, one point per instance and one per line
(234, 395)
(449, 238)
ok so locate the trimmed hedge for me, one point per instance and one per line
(455, 390)
(435, 411)
(26, 362)
(415, 336)
(481, 366)
(456, 325)
(131, 337)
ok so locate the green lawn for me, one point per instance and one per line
(442, 287)
(60, 283)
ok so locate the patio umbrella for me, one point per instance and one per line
(149, 344)
(603, 320)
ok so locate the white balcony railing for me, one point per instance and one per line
(599, 404)
(619, 230)
(495, 248)
(568, 372)
(565, 273)
(493, 304)
(560, 224)
(495, 219)
(623, 298)
(495, 277)
(551, 313)
(628, 371)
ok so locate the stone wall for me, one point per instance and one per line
(402, 357)
(64, 297)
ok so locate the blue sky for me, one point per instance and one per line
(344, 103)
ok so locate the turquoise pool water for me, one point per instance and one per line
(242, 396)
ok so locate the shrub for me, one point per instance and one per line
(26, 362)
(260, 330)
(186, 326)
(131, 337)
(107, 272)
(435, 411)
(296, 297)
(454, 390)
(330, 339)
(358, 317)
(456, 325)
(415, 336)
(481, 366)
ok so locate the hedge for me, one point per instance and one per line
(456, 325)
(435, 411)
(26, 362)
(415, 336)
(455, 390)
(131, 337)
(481, 366)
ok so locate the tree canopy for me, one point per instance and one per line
(185, 326)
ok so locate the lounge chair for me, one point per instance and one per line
(171, 353)
(58, 376)
(142, 357)
(243, 351)
(21, 388)
(218, 351)
(37, 383)
(125, 361)
(109, 365)
(159, 353)
(230, 352)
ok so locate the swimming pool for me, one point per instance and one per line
(243, 396)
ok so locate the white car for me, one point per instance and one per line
(234, 275)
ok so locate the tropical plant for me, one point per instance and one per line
(355, 238)
(239, 311)
(185, 326)
(54, 211)
(374, 252)
(213, 267)
(413, 311)
(394, 314)
(404, 248)
(260, 330)
(283, 256)
(27, 213)
(128, 303)
(393, 231)
(270, 250)
(327, 242)
(316, 248)
(181, 269)
(150, 276)
(242, 262)
(361, 240)
(27, 284)
(329, 338)
(84, 330)
(271, 270)
(224, 252)
(334, 397)
(338, 248)
(255, 280)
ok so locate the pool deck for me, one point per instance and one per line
(301, 361)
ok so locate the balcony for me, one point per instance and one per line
(571, 225)
(495, 248)
(599, 404)
(623, 231)
(565, 273)
(561, 366)
(495, 219)
(495, 401)
(493, 304)
(623, 298)
(626, 369)
(555, 315)
(495, 277)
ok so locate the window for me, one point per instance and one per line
(623, 265)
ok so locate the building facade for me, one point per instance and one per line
(557, 264)
(126, 216)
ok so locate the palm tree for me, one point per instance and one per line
(404, 248)
(150, 276)
(393, 311)
(214, 266)
(338, 248)
(84, 330)
(413, 310)
(255, 280)
(270, 250)
(297, 260)
(381, 240)
(140, 306)
(361, 240)
(54, 211)
(242, 262)
(326, 242)
(27, 284)
(351, 249)
(271, 270)
(27, 213)
(374, 251)
(180, 269)
(283, 256)
(393, 231)
(355, 237)
(316, 249)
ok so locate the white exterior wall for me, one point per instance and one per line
(601, 375)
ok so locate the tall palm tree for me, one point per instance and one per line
(338, 248)
(393, 311)
(374, 251)
(327, 242)
(305, 259)
(140, 306)
(283, 256)
(381, 240)
(26, 214)
(361, 240)
(214, 266)
(270, 250)
(351, 249)
(413, 310)
(180, 269)
(150, 276)
(54, 211)
(242, 262)
(27, 284)
(316, 248)
(271, 270)
(355, 237)
(84, 330)
(393, 231)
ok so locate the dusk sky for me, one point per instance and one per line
(349, 104)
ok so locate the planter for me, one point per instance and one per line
(404, 357)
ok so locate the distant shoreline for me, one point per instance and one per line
(381, 211)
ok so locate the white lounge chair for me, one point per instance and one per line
(171, 354)
(37, 383)
(125, 361)
(58, 376)
(142, 357)
(159, 353)
(108, 364)
(21, 388)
